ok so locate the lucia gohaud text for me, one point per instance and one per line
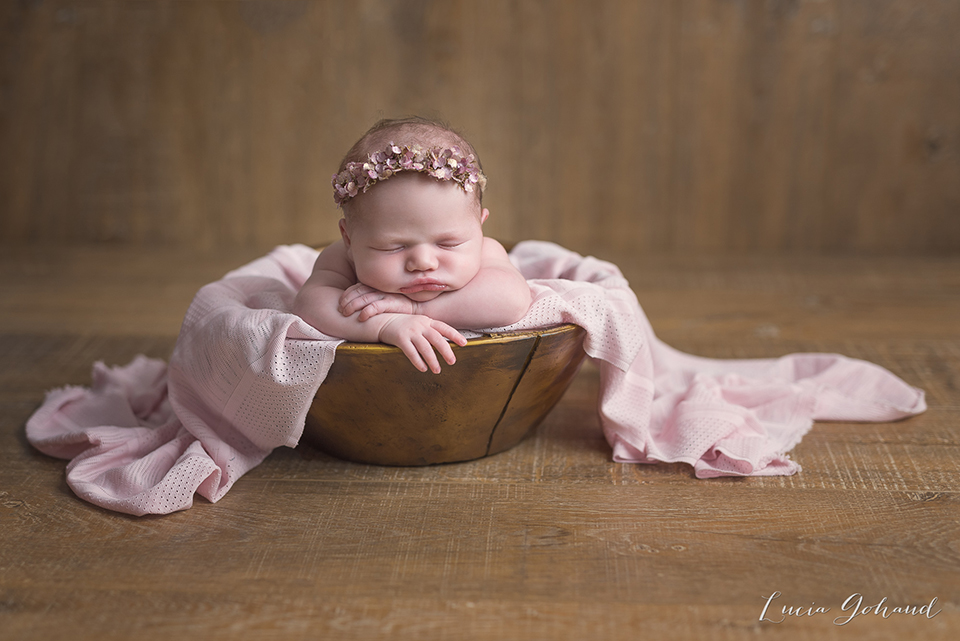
(854, 606)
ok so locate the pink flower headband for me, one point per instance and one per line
(439, 162)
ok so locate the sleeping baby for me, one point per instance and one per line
(412, 264)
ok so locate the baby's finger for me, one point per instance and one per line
(425, 348)
(449, 332)
(352, 292)
(346, 299)
(357, 289)
(413, 356)
(361, 301)
(371, 310)
(440, 343)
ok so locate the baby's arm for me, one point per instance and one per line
(416, 335)
(498, 295)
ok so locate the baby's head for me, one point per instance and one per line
(407, 144)
(411, 193)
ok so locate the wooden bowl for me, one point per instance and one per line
(375, 407)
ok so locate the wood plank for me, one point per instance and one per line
(656, 550)
(266, 616)
(106, 289)
(689, 126)
(548, 540)
(899, 183)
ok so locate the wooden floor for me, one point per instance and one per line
(548, 541)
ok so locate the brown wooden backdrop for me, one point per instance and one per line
(606, 125)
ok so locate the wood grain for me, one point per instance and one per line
(548, 540)
(801, 126)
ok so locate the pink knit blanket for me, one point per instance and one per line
(146, 437)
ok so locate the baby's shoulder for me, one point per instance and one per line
(333, 260)
(493, 250)
(335, 252)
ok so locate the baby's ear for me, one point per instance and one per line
(483, 215)
(343, 233)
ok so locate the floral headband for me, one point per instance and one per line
(439, 162)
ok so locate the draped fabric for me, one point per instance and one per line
(146, 437)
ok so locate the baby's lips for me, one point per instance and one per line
(423, 287)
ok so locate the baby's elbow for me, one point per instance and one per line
(309, 308)
(520, 303)
(299, 306)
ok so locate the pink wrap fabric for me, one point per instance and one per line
(146, 437)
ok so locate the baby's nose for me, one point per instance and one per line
(421, 259)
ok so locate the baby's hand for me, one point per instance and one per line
(370, 302)
(418, 336)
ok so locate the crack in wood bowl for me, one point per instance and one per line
(374, 407)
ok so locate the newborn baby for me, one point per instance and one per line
(412, 263)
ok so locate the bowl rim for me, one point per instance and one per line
(485, 339)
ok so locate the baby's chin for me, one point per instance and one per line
(423, 296)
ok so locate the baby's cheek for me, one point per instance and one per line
(375, 275)
(469, 270)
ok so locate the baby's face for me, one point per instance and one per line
(416, 236)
